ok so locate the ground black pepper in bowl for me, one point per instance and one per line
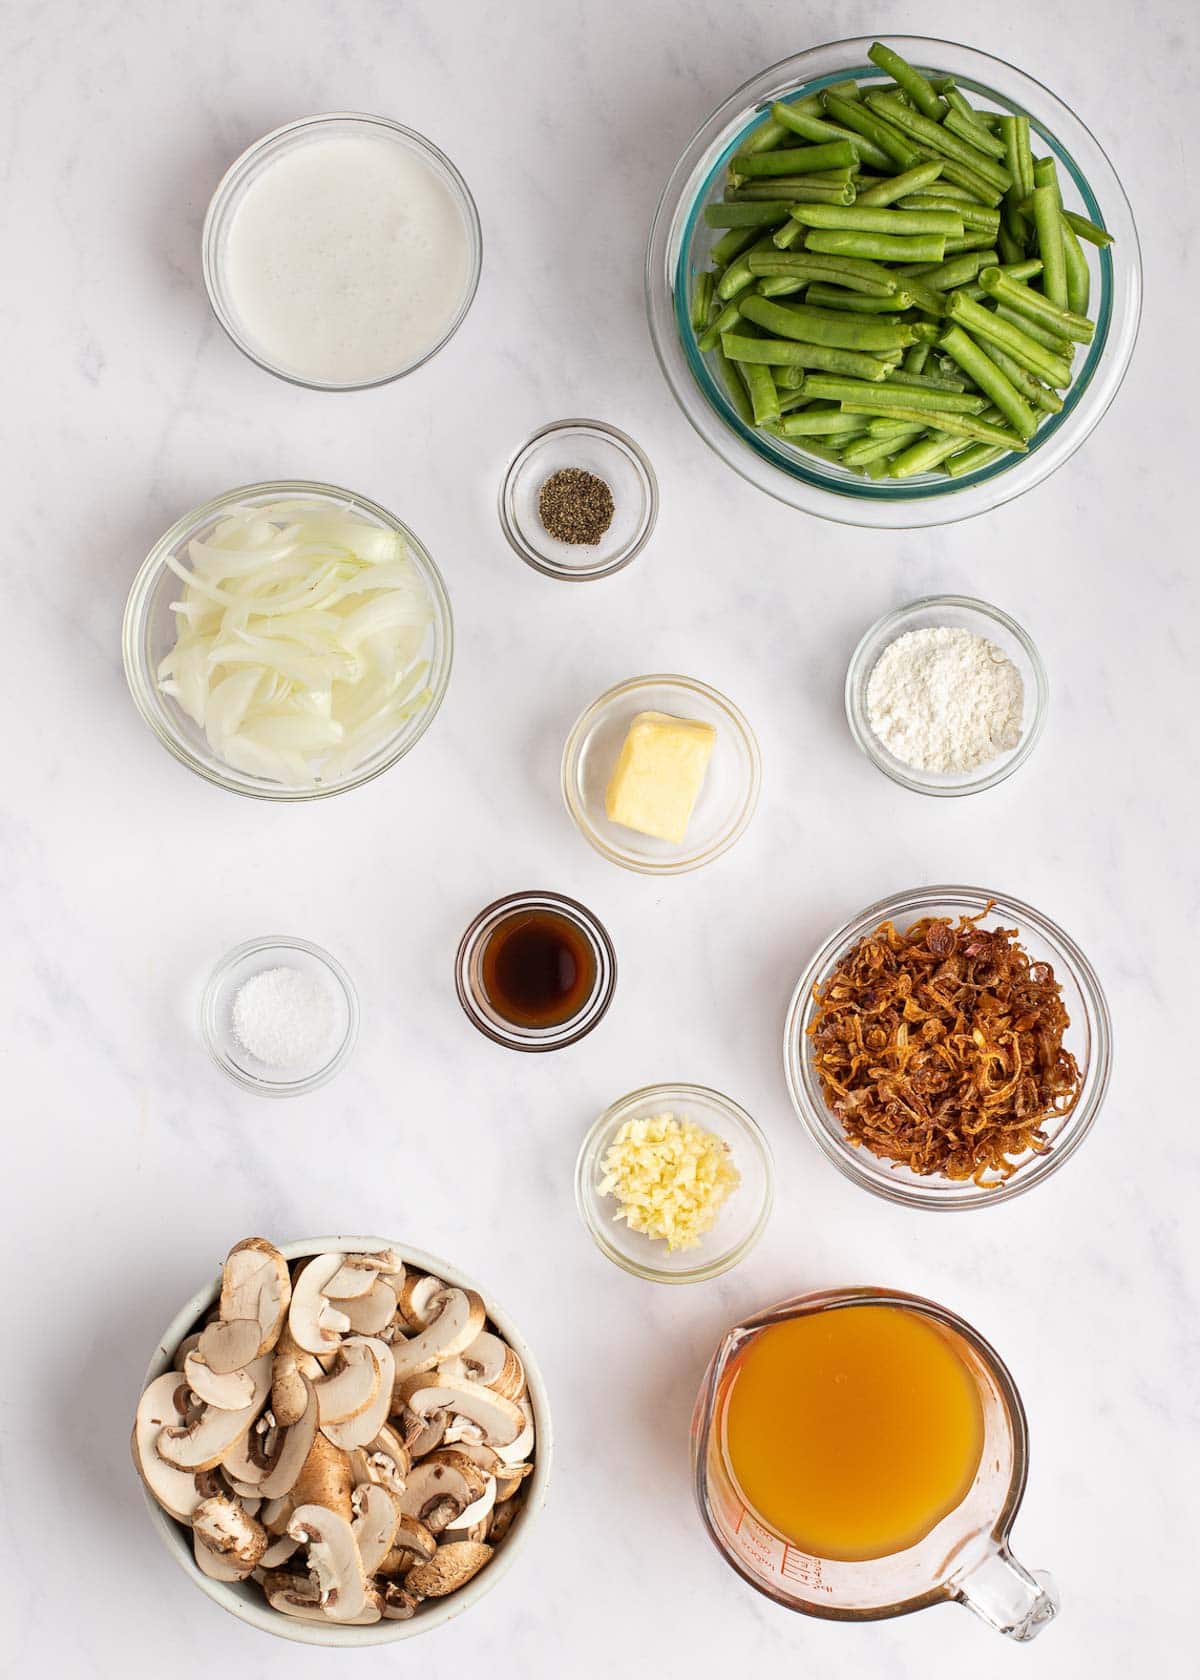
(575, 506)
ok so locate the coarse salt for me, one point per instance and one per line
(283, 1017)
(945, 700)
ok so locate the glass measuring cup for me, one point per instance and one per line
(964, 1559)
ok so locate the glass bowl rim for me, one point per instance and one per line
(440, 1611)
(742, 1122)
(584, 722)
(219, 203)
(221, 973)
(622, 557)
(809, 1105)
(857, 677)
(510, 1036)
(913, 505)
(141, 684)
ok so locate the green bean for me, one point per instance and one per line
(851, 272)
(874, 449)
(795, 160)
(1088, 230)
(766, 214)
(791, 398)
(1051, 341)
(915, 357)
(899, 222)
(924, 297)
(1048, 222)
(731, 245)
(789, 378)
(778, 285)
(765, 137)
(964, 425)
(825, 326)
(788, 235)
(764, 398)
(781, 352)
(965, 121)
(925, 381)
(910, 181)
(739, 274)
(724, 319)
(824, 423)
(889, 396)
(1042, 309)
(1079, 280)
(813, 128)
(834, 297)
(878, 247)
(884, 427)
(977, 216)
(972, 241)
(981, 323)
(923, 456)
(977, 455)
(933, 135)
(1009, 247)
(793, 189)
(928, 331)
(850, 114)
(702, 295)
(1041, 396)
(908, 77)
(735, 387)
(943, 277)
(978, 365)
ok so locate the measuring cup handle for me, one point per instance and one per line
(1004, 1594)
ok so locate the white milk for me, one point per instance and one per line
(347, 260)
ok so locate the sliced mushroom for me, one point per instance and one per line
(452, 1567)
(438, 1494)
(456, 1319)
(229, 1345)
(233, 1533)
(357, 1431)
(352, 1385)
(415, 1298)
(255, 1284)
(486, 1458)
(510, 1480)
(473, 1474)
(489, 1360)
(228, 1391)
(515, 1451)
(249, 1460)
(376, 1517)
(412, 1540)
(502, 1422)
(399, 1605)
(164, 1406)
(503, 1518)
(216, 1565)
(421, 1435)
(292, 1449)
(333, 1557)
(185, 1347)
(476, 1513)
(372, 1312)
(460, 1430)
(279, 1551)
(385, 1460)
(352, 1279)
(324, 1478)
(203, 1443)
(314, 1322)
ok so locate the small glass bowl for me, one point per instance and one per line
(216, 1015)
(742, 1218)
(608, 454)
(958, 612)
(290, 138)
(472, 993)
(149, 629)
(727, 797)
(680, 242)
(1089, 1038)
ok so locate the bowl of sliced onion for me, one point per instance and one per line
(288, 641)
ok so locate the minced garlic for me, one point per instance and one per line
(670, 1177)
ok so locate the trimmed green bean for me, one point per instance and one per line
(702, 296)
(764, 398)
(739, 274)
(877, 247)
(972, 241)
(824, 326)
(909, 181)
(795, 160)
(835, 297)
(1054, 342)
(923, 456)
(891, 396)
(935, 136)
(851, 272)
(765, 214)
(965, 121)
(977, 455)
(823, 423)
(793, 189)
(789, 378)
(982, 191)
(779, 285)
(1041, 396)
(1079, 279)
(964, 425)
(868, 220)
(735, 387)
(875, 449)
(982, 323)
(785, 352)
(1041, 308)
(1088, 230)
(1048, 222)
(925, 381)
(851, 114)
(765, 137)
(974, 216)
(817, 130)
(731, 245)
(915, 357)
(943, 277)
(978, 365)
(908, 77)
(924, 297)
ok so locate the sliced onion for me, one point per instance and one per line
(301, 640)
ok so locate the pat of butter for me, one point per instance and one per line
(658, 776)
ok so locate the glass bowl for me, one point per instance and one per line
(244, 1599)
(956, 612)
(727, 797)
(1089, 1038)
(741, 1220)
(680, 242)
(282, 142)
(608, 454)
(148, 634)
(256, 956)
(473, 995)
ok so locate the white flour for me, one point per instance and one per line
(942, 699)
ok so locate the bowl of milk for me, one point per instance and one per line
(341, 251)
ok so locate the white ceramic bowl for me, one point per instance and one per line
(244, 1599)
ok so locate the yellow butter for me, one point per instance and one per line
(658, 776)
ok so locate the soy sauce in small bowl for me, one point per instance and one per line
(535, 971)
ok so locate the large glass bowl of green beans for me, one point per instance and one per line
(894, 283)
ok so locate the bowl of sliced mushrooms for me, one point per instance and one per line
(341, 1441)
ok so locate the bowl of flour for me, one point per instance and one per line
(946, 695)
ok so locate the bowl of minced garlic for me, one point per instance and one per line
(675, 1183)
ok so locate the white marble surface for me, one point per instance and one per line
(131, 1163)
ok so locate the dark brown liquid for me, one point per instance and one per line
(538, 969)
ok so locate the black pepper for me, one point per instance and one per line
(575, 506)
